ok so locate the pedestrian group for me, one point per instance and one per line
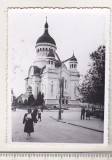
(85, 112)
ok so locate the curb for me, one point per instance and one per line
(78, 125)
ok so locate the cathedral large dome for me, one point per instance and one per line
(46, 38)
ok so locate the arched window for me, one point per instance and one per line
(52, 88)
(43, 49)
(51, 62)
(72, 65)
(65, 83)
(46, 49)
(38, 50)
(75, 89)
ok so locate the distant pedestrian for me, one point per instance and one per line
(28, 121)
(82, 112)
(39, 114)
(93, 108)
(88, 113)
(35, 112)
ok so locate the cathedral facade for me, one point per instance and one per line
(50, 76)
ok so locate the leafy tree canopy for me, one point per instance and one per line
(92, 88)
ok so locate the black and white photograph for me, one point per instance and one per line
(58, 75)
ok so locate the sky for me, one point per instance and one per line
(80, 31)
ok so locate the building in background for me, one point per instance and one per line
(47, 71)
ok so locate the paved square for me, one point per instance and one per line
(53, 131)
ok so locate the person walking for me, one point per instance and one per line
(82, 112)
(39, 114)
(35, 112)
(28, 121)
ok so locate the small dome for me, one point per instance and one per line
(46, 38)
(36, 69)
(51, 54)
(73, 58)
(58, 64)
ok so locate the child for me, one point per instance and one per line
(39, 114)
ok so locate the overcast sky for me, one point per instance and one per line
(78, 30)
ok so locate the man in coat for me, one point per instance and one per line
(82, 112)
(35, 112)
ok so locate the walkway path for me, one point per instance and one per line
(73, 116)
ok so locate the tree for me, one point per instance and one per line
(31, 100)
(40, 99)
(92, 89)
(26, 102)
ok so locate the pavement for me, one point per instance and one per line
(49, 130)
(73, 118)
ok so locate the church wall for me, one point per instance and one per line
(73, 89)
(35, 86)
(50, 81)
(67, 81)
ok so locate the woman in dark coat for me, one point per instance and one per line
(28, 121)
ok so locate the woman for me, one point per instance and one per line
(28, 121)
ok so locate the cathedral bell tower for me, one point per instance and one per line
(50, 60)
(73, 63)
(44, 45)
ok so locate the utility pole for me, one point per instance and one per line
(60, 81)
(59, 115)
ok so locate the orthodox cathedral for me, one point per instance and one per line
(50, 76)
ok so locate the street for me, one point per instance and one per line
(52, 131)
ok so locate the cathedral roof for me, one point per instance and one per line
(36, 69)
(46, 38)
(57, 63)
(73, 58)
